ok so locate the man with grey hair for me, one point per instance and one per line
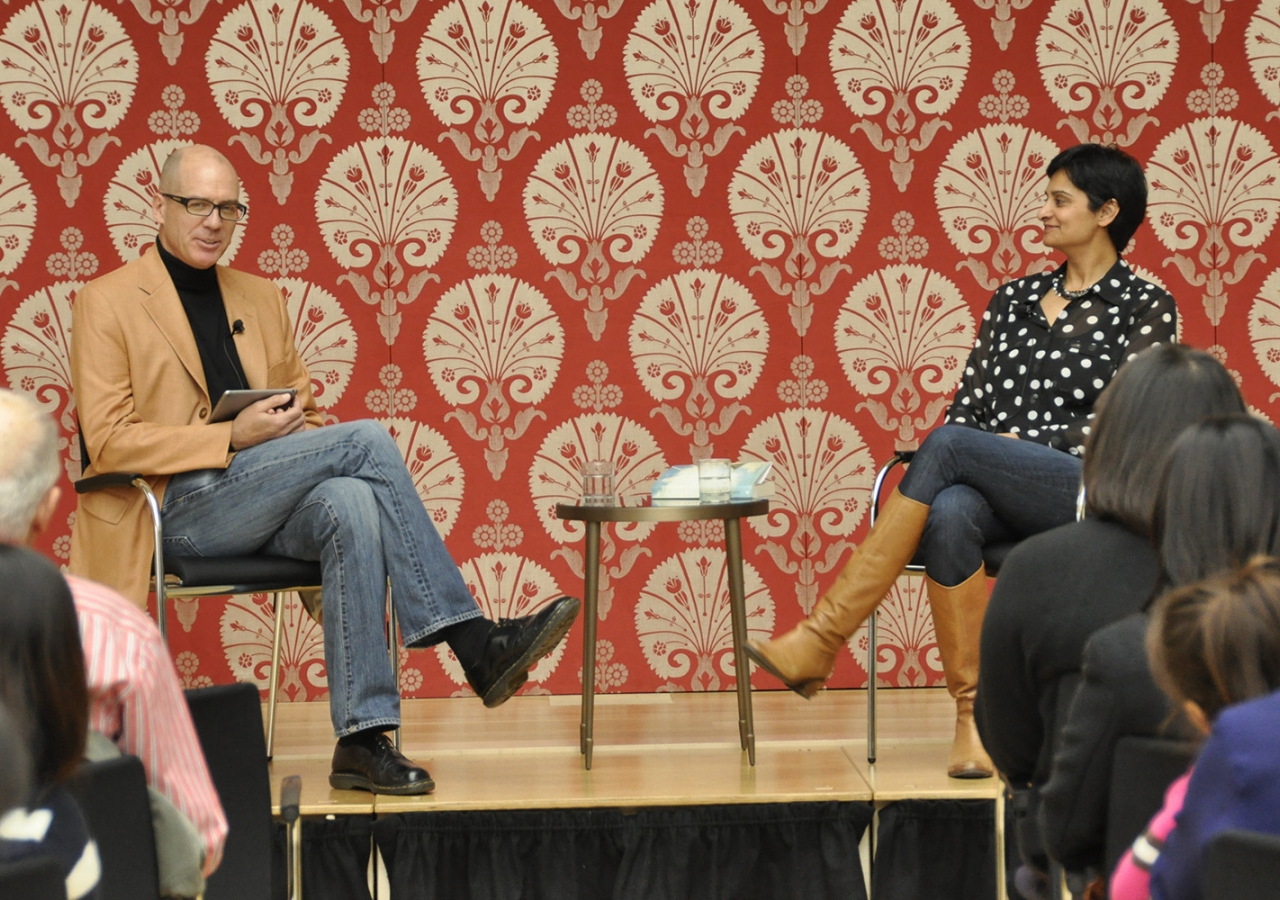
(154, 345)
(135, 698)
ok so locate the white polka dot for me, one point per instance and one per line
(1066, 373)
(1008, 384)
(1086, 363)
(1099, 383)
(1078, 394)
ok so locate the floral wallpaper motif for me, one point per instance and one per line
(521, 235)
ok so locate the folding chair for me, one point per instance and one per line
(190, 577)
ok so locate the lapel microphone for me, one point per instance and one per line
(237, 327)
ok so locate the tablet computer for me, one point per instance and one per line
(231, 402)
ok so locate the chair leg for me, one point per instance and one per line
(273, 677)
(393, 643)
(871, 687)
(295, 859)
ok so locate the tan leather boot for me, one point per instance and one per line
(957, 621)
(804, 657)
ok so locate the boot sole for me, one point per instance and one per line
(805, 689)
(347, 781)
(518, 672)
(970, 774)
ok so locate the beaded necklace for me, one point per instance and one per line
(1060, 288)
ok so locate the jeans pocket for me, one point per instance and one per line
(184, 484)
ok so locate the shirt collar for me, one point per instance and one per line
(1111, 288)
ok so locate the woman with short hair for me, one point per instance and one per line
(1007, 463)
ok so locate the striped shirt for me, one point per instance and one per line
(135, 699)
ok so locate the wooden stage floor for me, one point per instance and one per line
(650, 750)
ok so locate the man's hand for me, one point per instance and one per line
(266, 420)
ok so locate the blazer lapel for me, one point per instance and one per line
(165, 309)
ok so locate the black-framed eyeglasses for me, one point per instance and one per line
(200, 207)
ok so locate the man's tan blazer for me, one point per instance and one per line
(143, 404)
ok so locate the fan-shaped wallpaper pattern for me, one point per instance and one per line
(524, 234)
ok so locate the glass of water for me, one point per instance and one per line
(715, 480)
(597, 483)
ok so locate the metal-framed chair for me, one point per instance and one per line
(188, 578)
(993, 557)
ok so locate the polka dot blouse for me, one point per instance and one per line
(1041, 382)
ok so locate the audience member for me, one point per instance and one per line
(1217, 507)
(1057, 588)
(155, 344)
(42, 681)
(1006, 465)
(1236, 785)
(1212, 644)
(135, 698)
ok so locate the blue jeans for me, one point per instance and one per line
(340, 495)
(982, 488)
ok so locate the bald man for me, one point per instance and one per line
(154, 345)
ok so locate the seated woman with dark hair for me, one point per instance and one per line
(1007, 463)
(1058, 588)
(42, 681)
(1217, 507)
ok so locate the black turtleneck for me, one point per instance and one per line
(202, 299)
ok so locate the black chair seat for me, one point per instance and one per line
(253, 574)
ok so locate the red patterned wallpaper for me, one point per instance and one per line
(524, 234)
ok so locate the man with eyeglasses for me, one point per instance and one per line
(154, 345)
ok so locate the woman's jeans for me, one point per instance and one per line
(982, 488)
(340, 495)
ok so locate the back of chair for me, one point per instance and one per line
(113, 797)
(1142, 771)
(32, 879)
(228, 720)
(1242, 865)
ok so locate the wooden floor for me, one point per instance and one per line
(650, 750)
